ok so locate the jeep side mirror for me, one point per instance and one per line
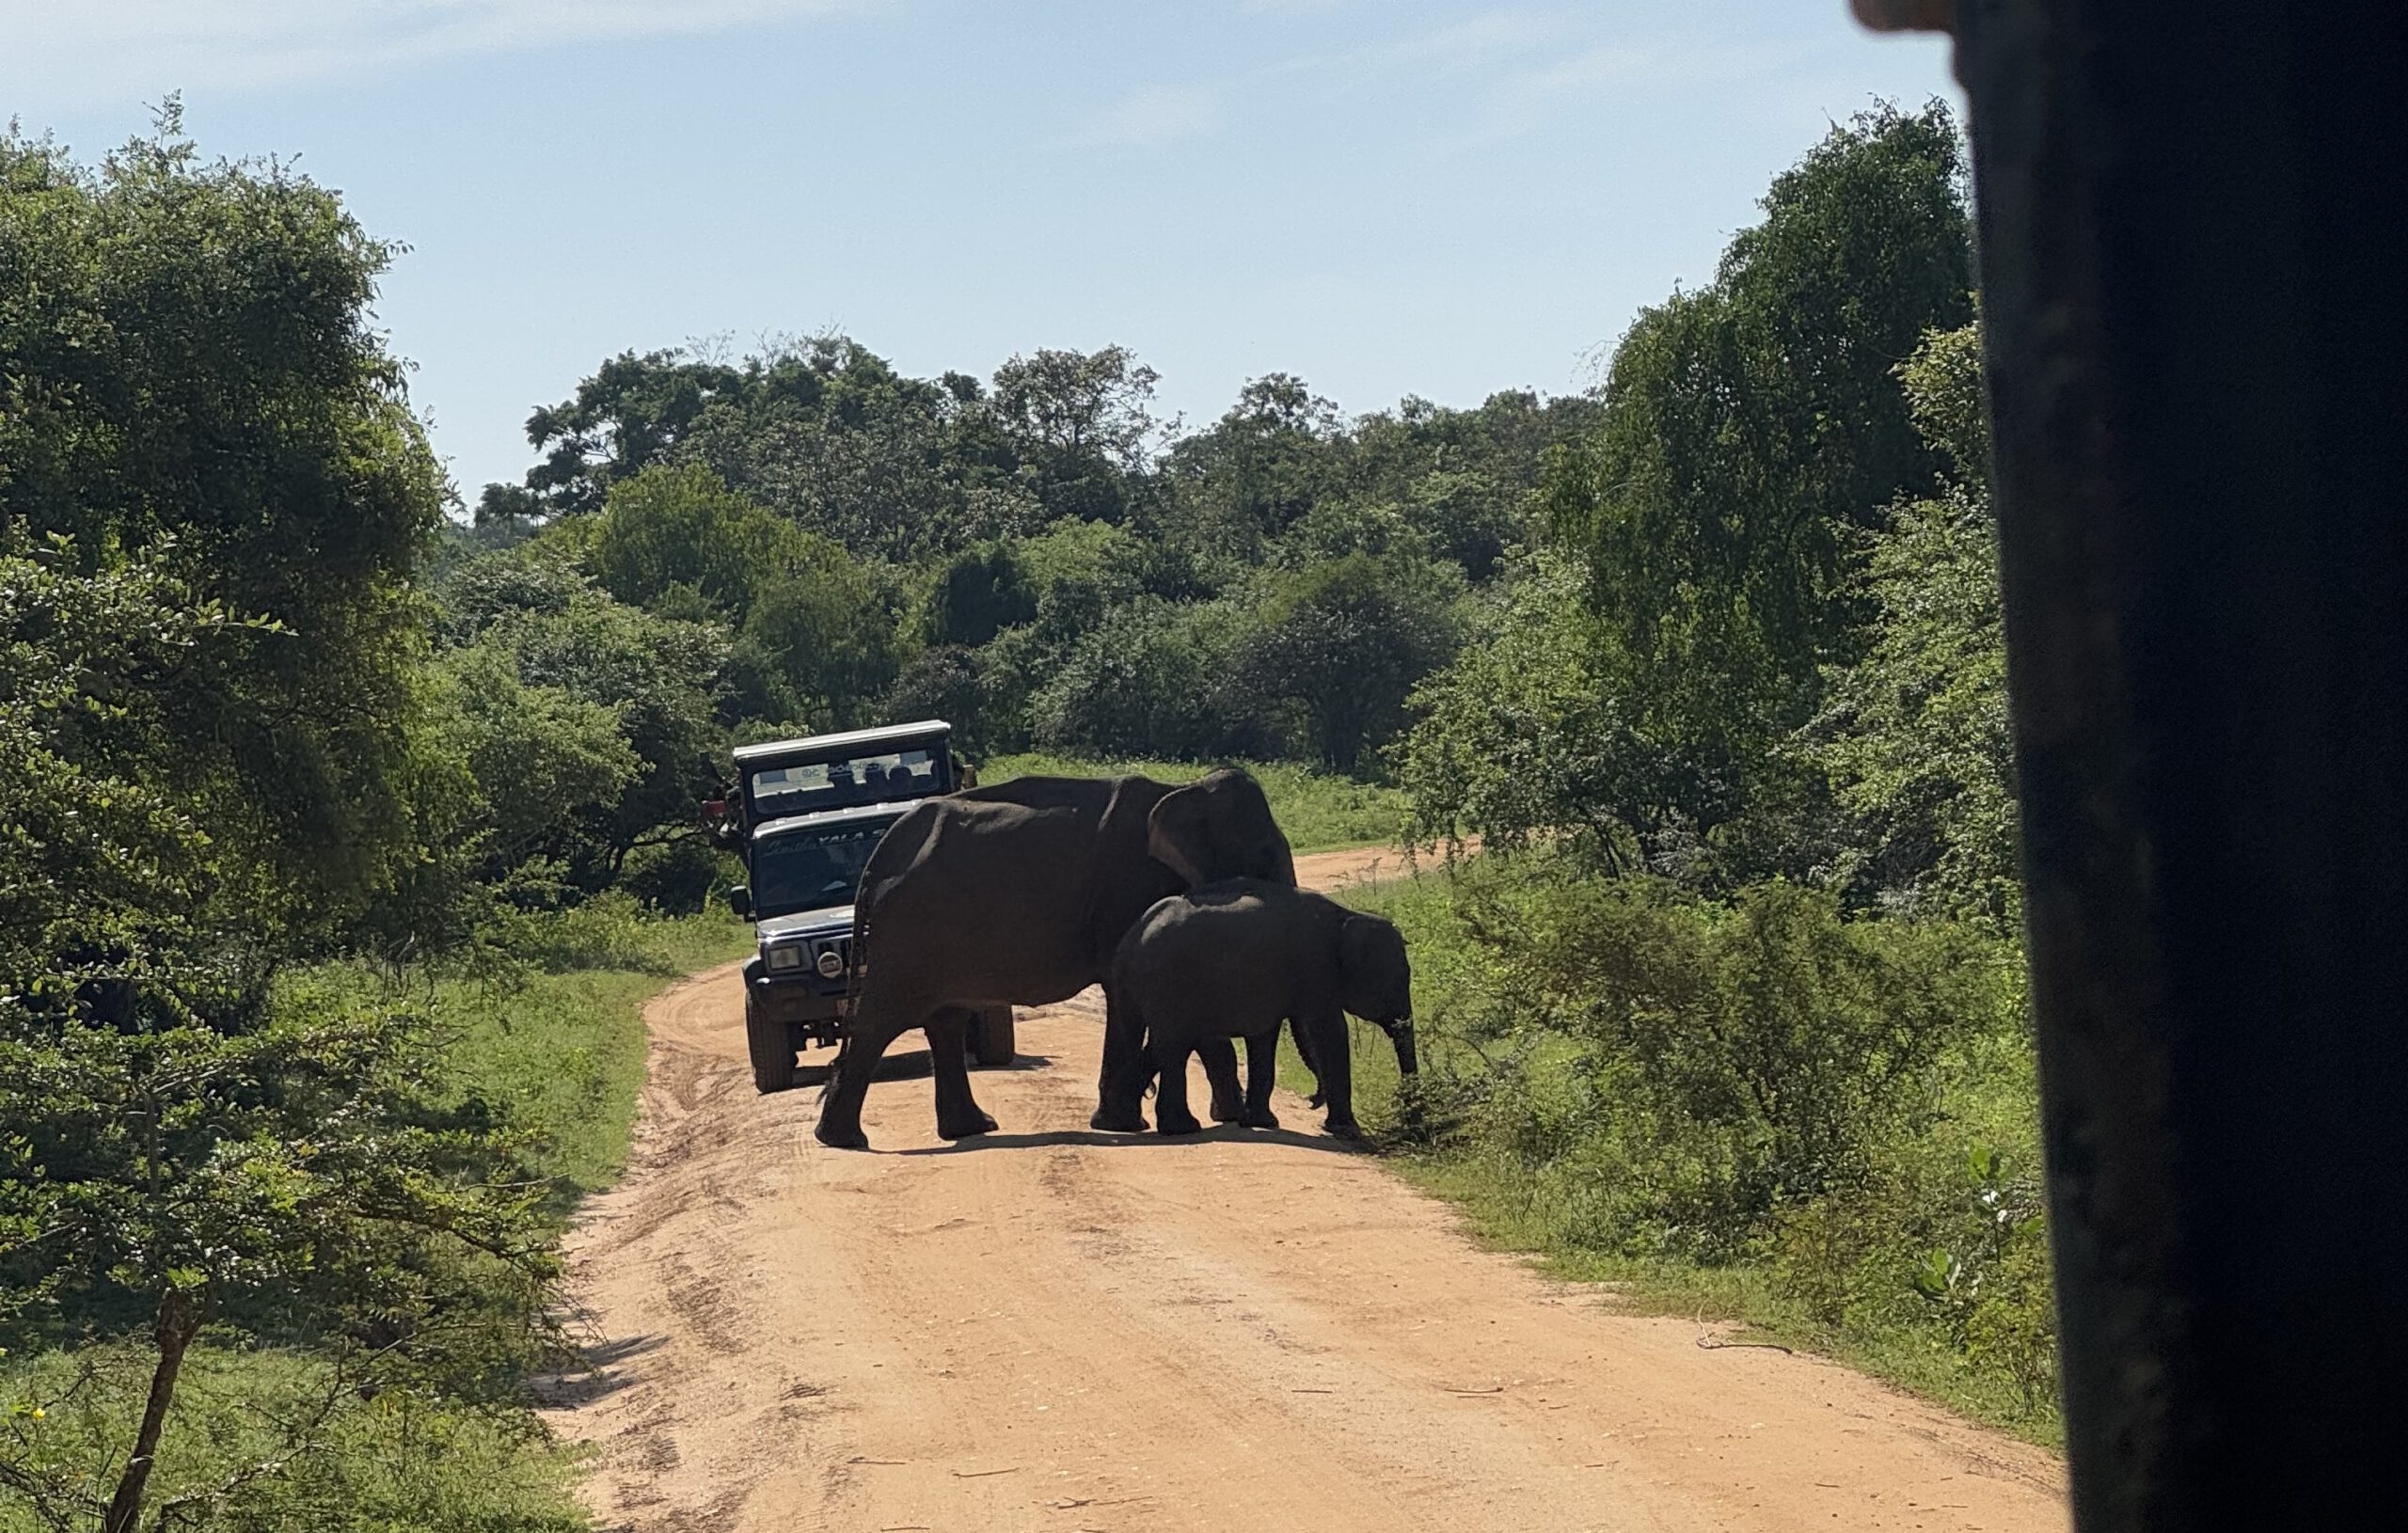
(739, 899)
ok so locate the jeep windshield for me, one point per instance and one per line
(811, 870)
(806, 788)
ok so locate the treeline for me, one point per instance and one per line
(1035, 557)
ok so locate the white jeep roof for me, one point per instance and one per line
(836, 747)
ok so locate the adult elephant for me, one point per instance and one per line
(1018, 895)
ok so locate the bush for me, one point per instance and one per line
(1150, 679)
(679, 878)
(1340, 644)
(1833, 1118)
(398, 1459)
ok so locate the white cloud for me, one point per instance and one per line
(1155, 115)
(1524, 100)
(91, 49)
(1477, 37)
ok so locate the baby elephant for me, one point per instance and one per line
(1235, 959)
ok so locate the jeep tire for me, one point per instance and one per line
(771, 1048)
(991, 1039)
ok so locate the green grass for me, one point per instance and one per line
(562, 1044)
(549, 1025)
(1883, 1327)
(1319, 813)
(381, 1465)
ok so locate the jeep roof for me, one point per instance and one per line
(846, 746)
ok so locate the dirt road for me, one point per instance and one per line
(1051, 1328)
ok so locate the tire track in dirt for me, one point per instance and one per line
(1053, 1329)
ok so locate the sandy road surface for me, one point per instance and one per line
(1049, 1329)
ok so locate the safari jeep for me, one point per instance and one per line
(804, 816)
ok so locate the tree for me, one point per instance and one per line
(531, 615)
(1520, 736)
(300, 1177)
(633, 413)
(111, 882)
(1914, 735)
(1751, 432)
(1243, 482)
(978, 593)
(809, 614)
(1079, 424)
(1341, 643)
(1151, 679)
(187, 365)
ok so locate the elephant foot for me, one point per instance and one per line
(845, 1136)
(1230, 1112)
(1117, 1123)
(1183, 1124)
(1264, 1119)
(968, 1128)
(1347, 1128)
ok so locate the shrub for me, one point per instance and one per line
(1839, 1116)
(1150, 679)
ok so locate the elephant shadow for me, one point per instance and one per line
(1097, 1139)
(914, 1065)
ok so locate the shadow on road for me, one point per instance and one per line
(596, 1376)
(914, 1064)
(1100, 1140)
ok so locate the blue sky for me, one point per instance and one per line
(1385, 197)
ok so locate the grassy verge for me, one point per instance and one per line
(561, 1041)
(1916, 1254)
(549, 1030)
(1319, 813)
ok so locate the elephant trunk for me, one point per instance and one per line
(1408, 1061)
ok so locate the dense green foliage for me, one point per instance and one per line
(1026, 557)
(1757, 1107)
(1753, 434)
(1736, 1016)
(257, 1204)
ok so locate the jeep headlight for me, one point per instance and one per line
(831, 964)
(785, 958)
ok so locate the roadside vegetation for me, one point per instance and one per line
(342, 829)
(1731, 1010)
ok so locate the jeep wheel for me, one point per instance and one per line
(771, 1048)
(991, 1039)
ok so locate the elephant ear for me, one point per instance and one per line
(1178, 835)
(1370, 952)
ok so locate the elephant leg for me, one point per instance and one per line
(959, 1116)
(1171, 1113)
(1330, 1047)
(1305, 1052)
(1220, 1058)
(1120, 1088)
(872, 1032)
(1262, 1072)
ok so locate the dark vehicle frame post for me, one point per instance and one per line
(2194, 226)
